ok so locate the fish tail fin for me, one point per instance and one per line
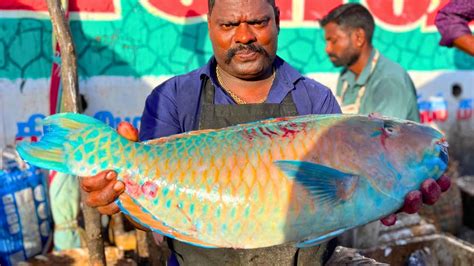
(62, 133)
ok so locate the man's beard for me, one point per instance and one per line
(347, 59)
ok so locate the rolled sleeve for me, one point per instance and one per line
(453, 20)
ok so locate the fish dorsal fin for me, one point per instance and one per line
(325, 184)
(177, 136)
(146, 219)
(320, 239)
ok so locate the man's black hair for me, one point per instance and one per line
(351, 16)
(210, 5)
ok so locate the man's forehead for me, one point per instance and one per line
(334, 28)
(246, 2)
(227, 5)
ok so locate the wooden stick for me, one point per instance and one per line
(69, 78)
(70, 85)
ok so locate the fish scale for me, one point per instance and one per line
(300, 179)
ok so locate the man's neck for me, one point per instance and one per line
(360, 64)
(251, 91)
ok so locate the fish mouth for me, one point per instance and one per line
(443, 154)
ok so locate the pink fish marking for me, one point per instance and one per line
(250, 135)
(150, 189)
(292, 129)
(267, 132)
(131, 187)
(264, 133)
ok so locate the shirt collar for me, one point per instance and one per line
(285, 79)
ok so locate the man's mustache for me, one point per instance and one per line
(245, 47)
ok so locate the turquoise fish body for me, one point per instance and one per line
(302, 179)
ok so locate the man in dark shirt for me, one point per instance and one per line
(245, 81)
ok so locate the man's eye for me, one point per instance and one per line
(261, 23)
(227, 26)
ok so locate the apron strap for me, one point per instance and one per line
(208, 91)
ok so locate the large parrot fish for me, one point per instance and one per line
(299, 180)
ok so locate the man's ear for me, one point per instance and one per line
(360, 37)
(208, 21)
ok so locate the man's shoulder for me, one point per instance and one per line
(293, 76)
(190, 77)
(388, 67)
(184, 83)
(389, 70)
(314, 86)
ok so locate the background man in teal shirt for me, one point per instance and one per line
(369, 81)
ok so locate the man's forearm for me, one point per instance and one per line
(465, 43)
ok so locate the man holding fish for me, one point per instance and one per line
(245, 81)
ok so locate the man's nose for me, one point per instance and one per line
(244, 34)
(328, 48)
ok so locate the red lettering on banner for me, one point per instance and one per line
(30, 5)
(102, 6)
(92, 6)
(430, 19)
(396, 13)
(176, 8)
(286, 9)
(316, 10)
(388, 12)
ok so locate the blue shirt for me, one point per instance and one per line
(173, 106)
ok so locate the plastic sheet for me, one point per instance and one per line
(25, 217)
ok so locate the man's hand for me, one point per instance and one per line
(430, 191)
(103, 189)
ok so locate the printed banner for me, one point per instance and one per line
(126, 47)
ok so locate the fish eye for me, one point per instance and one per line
(390, 128)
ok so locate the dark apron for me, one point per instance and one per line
(219, 116)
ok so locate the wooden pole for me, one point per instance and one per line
(69, 78)
(71, 103)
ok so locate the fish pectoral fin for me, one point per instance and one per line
(320, 239)
(325, 184)
(140, 215)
